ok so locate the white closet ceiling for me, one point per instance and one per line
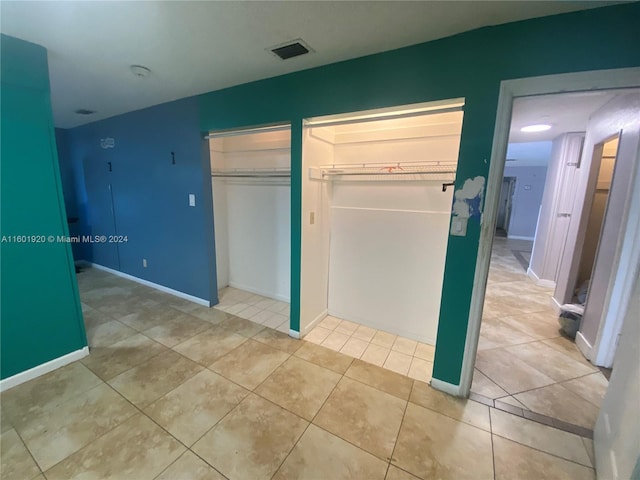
(194, 47)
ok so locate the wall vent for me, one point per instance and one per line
(291, 49)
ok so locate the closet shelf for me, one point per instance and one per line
(252, 173)
(390, 171)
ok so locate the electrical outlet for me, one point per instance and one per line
(192, 200)
(312, 218)
(144, 263)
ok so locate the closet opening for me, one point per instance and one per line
(377, 191)
(251, 183)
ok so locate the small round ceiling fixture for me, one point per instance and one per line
(140, 71)
(539, 127)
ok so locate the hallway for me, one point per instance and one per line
(523, 360)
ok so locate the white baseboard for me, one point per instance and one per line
(540, 281)
(246, 288)
(446, 387)
(46, 367)
(162, 288)
(294, 334)
(583, 345)
(519, 237)
(555, 305)
(313, 323)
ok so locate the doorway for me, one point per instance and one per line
(522, 359)
(505, 206)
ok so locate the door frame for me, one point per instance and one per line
(509, 90)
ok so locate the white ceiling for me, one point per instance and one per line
(565, 112)
(194, 47)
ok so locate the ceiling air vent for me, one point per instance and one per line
(291, 49)
(84, 111)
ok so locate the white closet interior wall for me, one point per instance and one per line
(252, 215)
(385, 240)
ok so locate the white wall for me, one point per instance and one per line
(387, 239)
(557, 199)
(252, 216)
(314, 279)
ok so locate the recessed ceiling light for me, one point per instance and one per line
(140, 71)
(84, 111)
(540, 127)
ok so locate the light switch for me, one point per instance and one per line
(192, 200)
(312, 218)
(459, 226)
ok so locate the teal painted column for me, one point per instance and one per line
(40, 310)
(296, 221)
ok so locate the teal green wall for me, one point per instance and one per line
(469, 65)
(40, 307)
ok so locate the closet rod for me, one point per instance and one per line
(342, 172)
(380, 118)
(251, 175)
(246, 131)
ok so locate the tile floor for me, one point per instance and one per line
(522, 359)
(263, 310)
(173, 390)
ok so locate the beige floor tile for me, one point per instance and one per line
(375, 354)
(354, 347)
(383, 339)
(404, 345)
(364, 416)
(152, 379)
(16, 462)
(394, 473)
(425, 352)
(515, 461)
(568, 347)
(177, 329)
(559, 402)
(252, 441)
(108, 333)
(484, 386)
(317, 335)
(93, 317)
(591, 387)
(588, 445)
(324, 357)
(236, 308)
(206, 347)
(299, 386)
(275, 320)
(285, 327)
(550, 361)
(539, 325)
(54, 435)
(346, 327)
(278, 340)
(364, 333)
(138, 449)
(210, 315)
(510, 373)
(262, 316)
(541, 437)
(509, 400)
(499, 334)
(189, 467)
(335, 341)
(108, 362)
(188, 411)
(148, 317)
(45, 393)
(240, 326)
(329, 322)
(463, 410)
(249, 364)
(249, 312)
(321, 455)
(380, 378)
(398, 362)
(420, 369)
(448, 450)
